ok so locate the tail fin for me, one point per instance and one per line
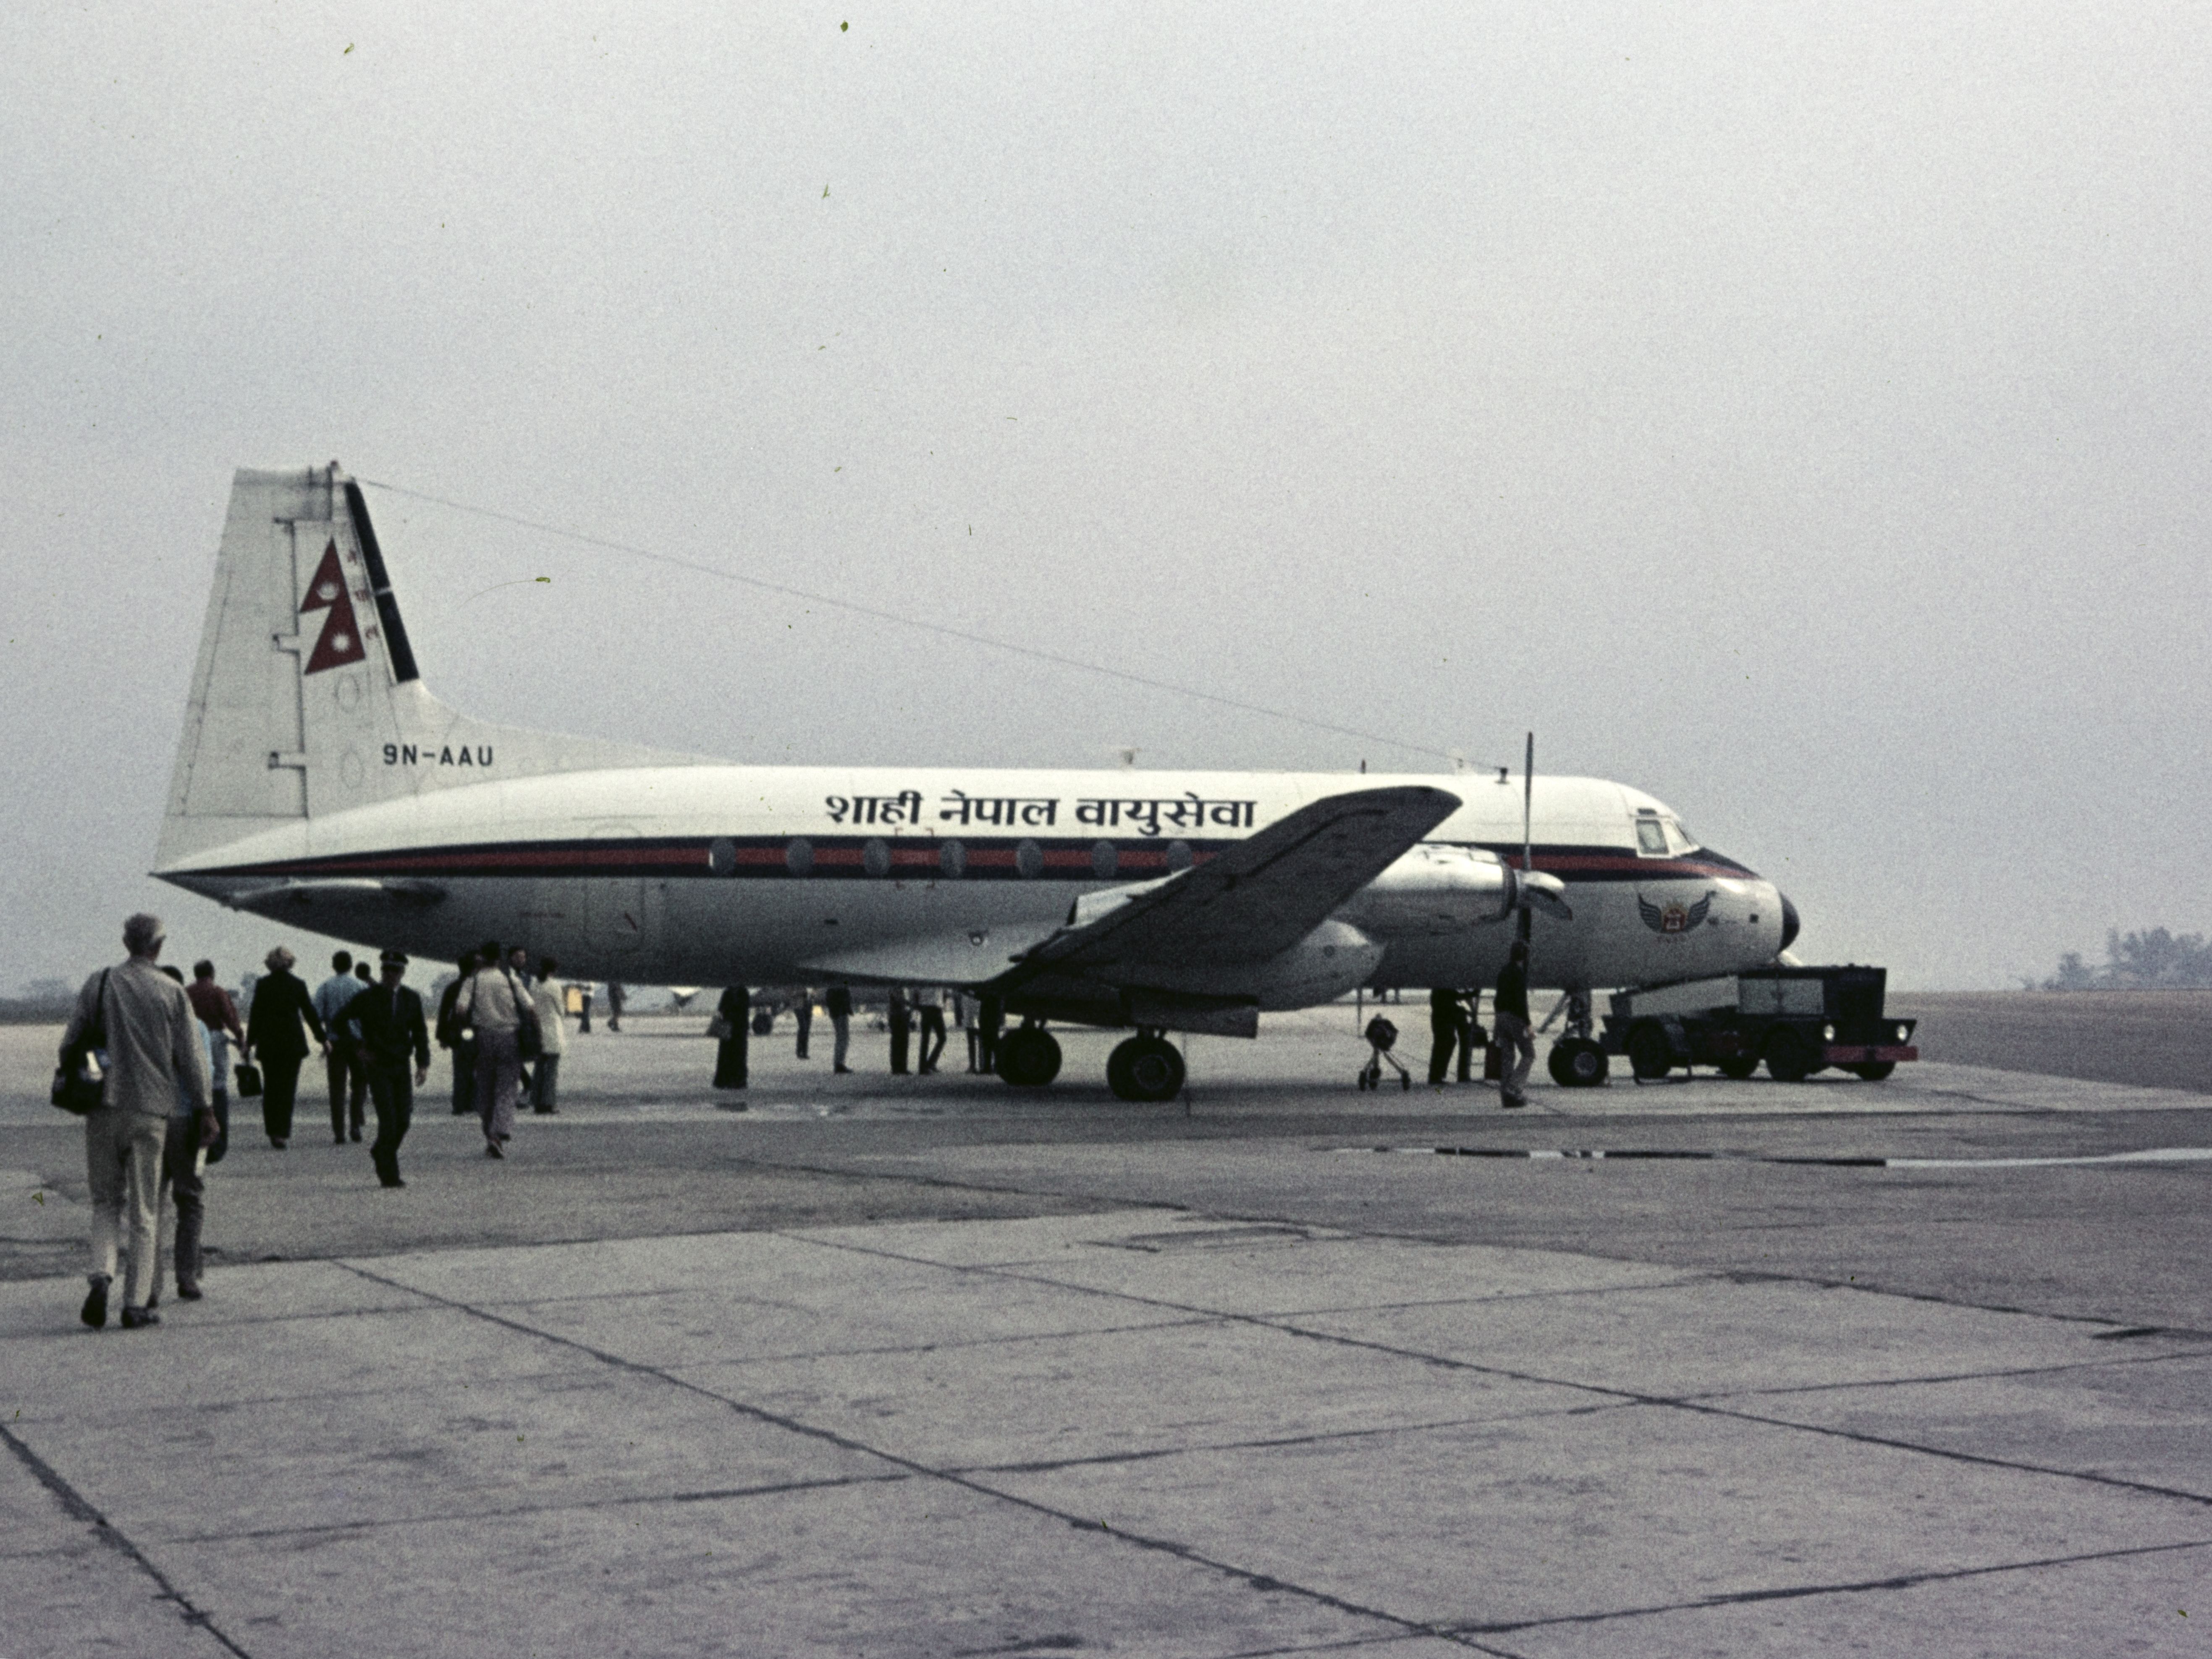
(305, 700)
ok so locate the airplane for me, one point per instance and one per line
(319, 783)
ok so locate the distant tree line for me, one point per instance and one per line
(2155, 960)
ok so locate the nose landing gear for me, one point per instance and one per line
(1029, 1057)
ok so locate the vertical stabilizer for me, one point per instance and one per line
(305, 700)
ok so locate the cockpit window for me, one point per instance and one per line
(1651, 837)
(1678, 838)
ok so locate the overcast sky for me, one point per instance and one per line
(1798, 412)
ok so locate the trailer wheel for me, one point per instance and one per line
(1577, 1063)
(1874, 1070)
(1650, 1054)
(1738, 1066)
(1788, 1057)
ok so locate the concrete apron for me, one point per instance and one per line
(1142, 1432)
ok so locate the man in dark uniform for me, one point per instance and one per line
(902, 1029)
(1516, 1043)
(1447, 1033)
(386, 1022)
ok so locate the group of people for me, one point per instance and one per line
(1455, 1030)
(911, 1011)
(507, 1028)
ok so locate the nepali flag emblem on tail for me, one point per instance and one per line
(1672, 918)
(340, 641)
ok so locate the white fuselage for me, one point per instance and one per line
(766, 875)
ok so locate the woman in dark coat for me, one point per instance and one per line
(273, 1037)
(736, 1010)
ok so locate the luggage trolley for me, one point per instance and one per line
(1381, 1036)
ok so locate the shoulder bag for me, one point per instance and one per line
(529, 1035)
(79, 1084)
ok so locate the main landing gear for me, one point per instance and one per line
(1145, 1068)
(1029, 1057)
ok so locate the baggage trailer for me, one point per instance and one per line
(1797, 1020)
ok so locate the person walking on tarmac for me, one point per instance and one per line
(1515, 1041)
(1447, 1033)
(155, 1061)
(385, 1021)
(273, 1037)
(458, 1035)
(838, 1001)
(331, 999)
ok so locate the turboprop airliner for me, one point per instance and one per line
(319, 783)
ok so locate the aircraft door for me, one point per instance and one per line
(615, 915)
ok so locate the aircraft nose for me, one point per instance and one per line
(1790, 923)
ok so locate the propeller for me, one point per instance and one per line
(1537, 891)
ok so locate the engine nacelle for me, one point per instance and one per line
(1435, 890)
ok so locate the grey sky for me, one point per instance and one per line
(1800, 413)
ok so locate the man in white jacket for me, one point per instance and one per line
(154, 1055)
(545, 1077)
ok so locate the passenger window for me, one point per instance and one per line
(1649, 837)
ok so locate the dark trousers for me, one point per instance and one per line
(349, 1083)
(391, 1086)
(932, 1037)
(280, 1087)
(545, 1084)
(180, 1174)
(465, 1079)
(806, 1024)
(1444, 1039)
(969, 1033)
(992, 1019)
(902, 1032)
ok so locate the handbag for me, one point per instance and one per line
(529, 1035)
(719, 1028)
(245, 1077)
(79, 1085)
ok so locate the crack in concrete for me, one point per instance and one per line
(1849, 1587)
(74, 1504)
(580, 1506)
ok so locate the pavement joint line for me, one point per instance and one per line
(1850, 1587)
(1938, 1380)
(1254, 1580)
(78, 1508)
(1320, 1437)
(635, 1499)
(1670, 1155)
(1696, 1404)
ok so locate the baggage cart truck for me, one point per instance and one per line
(1796, 1020)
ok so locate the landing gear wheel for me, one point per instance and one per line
(1145, 1068)
(1028, 1058)
(1873, 1070)
(1788, 1057)
(1578, 1063)
(1650, 1054)
(1739, 1067)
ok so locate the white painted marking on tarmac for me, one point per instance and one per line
(1593, 1154)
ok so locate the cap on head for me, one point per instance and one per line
(393, 958)
(278, 960)
(141, 932)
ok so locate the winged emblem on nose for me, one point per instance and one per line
(1672, 918)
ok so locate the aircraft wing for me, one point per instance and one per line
(1258, 898)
